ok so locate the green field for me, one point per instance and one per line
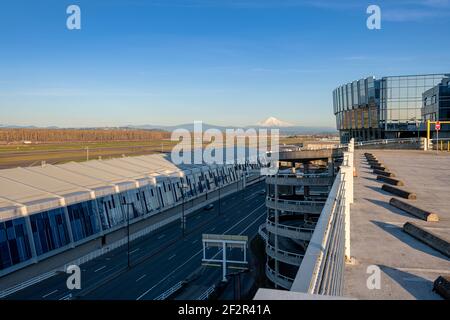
(15, 155)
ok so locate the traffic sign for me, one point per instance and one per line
(438, 126)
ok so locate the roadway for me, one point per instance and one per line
(160, 259)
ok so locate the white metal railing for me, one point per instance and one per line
(205, 295)
(262, 233)
(298, 202)
(27, 283)
(295, 205)
(441, 144)
(281, 226)
(280, 279)
(386, 141)
(322, 268)
(169, 292)
(286, 255)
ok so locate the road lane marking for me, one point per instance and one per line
(141, 277)
(194, 241)
(256, 220)
(171, 257)
(101, 268)
(212, 229)
(244, 218)
(161, 236)
(252, 196)
(50, 293)
(135, 250)
(192, 257)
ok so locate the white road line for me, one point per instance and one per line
(192, 257)
(171, 257)
(252, 196)
(194, 241)
(161, 236)
(244, 218)
(135, 250)
(101, 268)
(141, 277)
(50, 293)
(212, 229)
(256, 220)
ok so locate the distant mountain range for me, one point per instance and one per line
(285, 128)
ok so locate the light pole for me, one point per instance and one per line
(128, 231)
(219, 180)
(183, 218)
(418, 129)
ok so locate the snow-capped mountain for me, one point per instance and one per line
(273, 122)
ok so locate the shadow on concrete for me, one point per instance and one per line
(373, 179)
(419, 287)
(415, 244)
(378, 189)
(387, 206)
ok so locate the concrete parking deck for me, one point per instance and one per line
(408, 266)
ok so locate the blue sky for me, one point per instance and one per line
(220, 61)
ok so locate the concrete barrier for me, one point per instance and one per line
(428, 238)
(399, 192)
(394, 182)
(383, 173)
(417, 212)
(442, 286)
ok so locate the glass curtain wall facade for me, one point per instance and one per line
(436, 106)
(49, 232)
(387, 108)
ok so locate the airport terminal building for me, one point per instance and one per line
(50, 209)
(390, 107)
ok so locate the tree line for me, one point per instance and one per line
(78, 135)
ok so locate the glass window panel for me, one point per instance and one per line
(412, 81)
(403, 93)
(403, 82)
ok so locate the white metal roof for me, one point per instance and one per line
(33, 189)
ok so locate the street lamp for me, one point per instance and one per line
(183, 218)
(219, 179)
(417, 122)
(418, 128)
(128, 230)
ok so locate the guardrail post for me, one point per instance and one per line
(346, 171)
(347, 180)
